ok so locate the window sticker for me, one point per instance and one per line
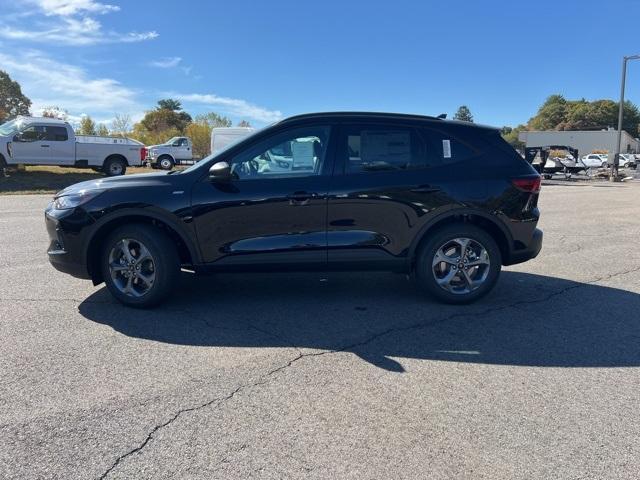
(446, 148)
(385, 146)
(302, 154)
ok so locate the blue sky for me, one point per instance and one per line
(263, 60)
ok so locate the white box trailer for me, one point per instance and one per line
(221, 137)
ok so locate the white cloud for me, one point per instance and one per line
(67, 22)
(233, 106)
(49, 82)
(73, 7)
(168, 62)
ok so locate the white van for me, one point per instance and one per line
(223, 136)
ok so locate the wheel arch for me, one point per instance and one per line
(167, 155)
(187, 250)
(480, 219)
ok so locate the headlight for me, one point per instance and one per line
(73, 200)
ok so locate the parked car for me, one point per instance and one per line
(449, 202)
(173, 152)
(221, 137)
(627, 160)
(49, 141)
(594, 160)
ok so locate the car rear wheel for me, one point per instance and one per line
(140, 265)
(114, 166)
(458, 264)
(166, 162)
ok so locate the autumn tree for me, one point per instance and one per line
(214, 120)
(102, 130)
(12, 101)
(244, 123)
(87, 126)
(121, 124)
(54, 111)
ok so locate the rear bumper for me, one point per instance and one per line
(530, 251)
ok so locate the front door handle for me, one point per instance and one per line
(425, 189)
(301, 198)
(44, 146)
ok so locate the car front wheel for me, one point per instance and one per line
(458, 264)
(166, 163)
(140, 265)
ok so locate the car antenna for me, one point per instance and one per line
(442, 116)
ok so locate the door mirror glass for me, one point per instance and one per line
(17, 137)
(220, 171)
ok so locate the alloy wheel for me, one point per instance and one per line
(461, 265)
(132, 267)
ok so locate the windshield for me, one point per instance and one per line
(9, 127)
(204, 161)
(171, 140)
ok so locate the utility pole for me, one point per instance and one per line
(613, 175)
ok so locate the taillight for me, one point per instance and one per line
(143, 153)
(528, 184)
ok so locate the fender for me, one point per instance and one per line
(455, 213)
(161, 216)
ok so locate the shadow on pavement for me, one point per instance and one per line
(529, 320)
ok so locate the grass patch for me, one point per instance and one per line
(50, 179)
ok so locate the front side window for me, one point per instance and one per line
(299, 152)
(33, 133)
(374, 148)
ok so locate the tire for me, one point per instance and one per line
(114, 166)
(604, 165)
(458, 290)
(165, 162)
(155, 259)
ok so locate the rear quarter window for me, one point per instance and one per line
(444, 148)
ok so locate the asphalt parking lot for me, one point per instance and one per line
(346, 376)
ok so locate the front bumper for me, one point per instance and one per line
(65, 249)
(530, 251)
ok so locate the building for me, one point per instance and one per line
(586, 141)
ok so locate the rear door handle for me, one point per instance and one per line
(425, 189)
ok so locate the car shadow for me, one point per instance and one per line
(528, 320)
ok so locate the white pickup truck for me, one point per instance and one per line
(49, 141)
(174, 151)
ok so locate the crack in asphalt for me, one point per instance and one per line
(263, 379)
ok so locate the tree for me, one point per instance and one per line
(169, 104)
(102, 130)
(244, 123)
(12, 101)
(557, 113)
(121, 124)
(200, 135)
(54, 111)
(511, 136)
(463, 114)
(87, 126)
(213, 120)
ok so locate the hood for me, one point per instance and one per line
(155, 179)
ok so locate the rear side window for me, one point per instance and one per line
(444, 149)
(369, 148)
(56, 134)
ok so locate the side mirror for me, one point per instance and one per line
(220, 171)
(17, 137)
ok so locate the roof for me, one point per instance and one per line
(380, 115)
(49, 120)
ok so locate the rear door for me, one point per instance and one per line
(390, 180)
(62, 150)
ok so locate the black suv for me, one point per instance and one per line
(449, 202)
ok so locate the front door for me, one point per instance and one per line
(273, 212)
(30, 146)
